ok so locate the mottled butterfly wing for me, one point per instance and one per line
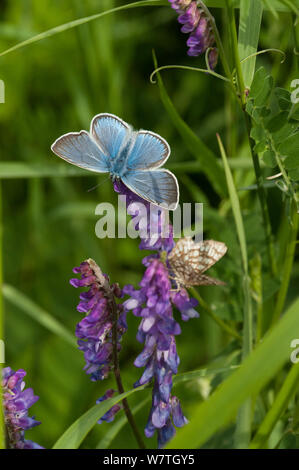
(189, 260)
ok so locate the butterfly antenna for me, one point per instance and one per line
(97, 185)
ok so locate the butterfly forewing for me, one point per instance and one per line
(110, 133)
(149, 151)
(189, 260)
(81, 150)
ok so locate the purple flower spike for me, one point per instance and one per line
(153, 302)
(194, 21)
(16, 403)
(94, 331)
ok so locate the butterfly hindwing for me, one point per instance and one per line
(81, 150)
(157, 186)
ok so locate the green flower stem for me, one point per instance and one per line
(288, 265)
(128, 412)
(235, 50)
(2, 429)
(255, 158)
(287, 391)
(224, 326)
(220, 47)
(263, 200)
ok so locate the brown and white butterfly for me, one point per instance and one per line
(189, 260)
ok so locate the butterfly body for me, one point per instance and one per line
(189, 260)
(135, 158)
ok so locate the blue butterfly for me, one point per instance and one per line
(135, 158)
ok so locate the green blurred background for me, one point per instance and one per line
(56, 86)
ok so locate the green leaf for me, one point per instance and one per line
(294, 174)
(260, 146)
(280, 128)
(15, 170)
(235, 207)
(143, 3)
(76, 433)
(284, 98)
(290, 147)
(269, 6)
(258, 83)
(38, 314)
(243, 428)
(292, 162)
(10, 170)
(251, 12)
(285, 394)
(73, 24)
(294, 112)
(256, 371)
(274, 131)
(270, 159)
(208, 161)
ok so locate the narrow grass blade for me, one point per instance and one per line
(38, 314)
(73, 24)
(196, 374)
(76, 433)
(208, 161)
(243, 430)
(10, 170)
(251, 12)
(235, 206)
(269, 6)
(256, 371)
(285, 394)
(14, 170)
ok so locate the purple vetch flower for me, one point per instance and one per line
(153, 303)
(213, 58)
(16, 402)
(95, 330)
(180, 5)
(157, 330)
(195, 22)
(110, 414)
(153, 222)
(184, 304)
